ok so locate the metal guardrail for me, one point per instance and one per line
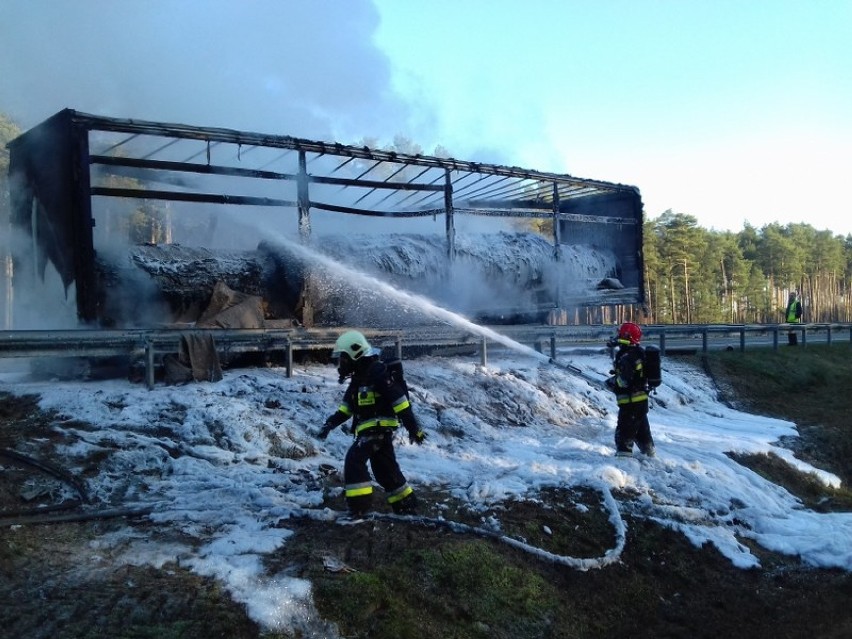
(149, 344)
(759, 334)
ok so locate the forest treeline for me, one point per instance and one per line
(697, 276)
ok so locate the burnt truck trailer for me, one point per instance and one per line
(143, 220)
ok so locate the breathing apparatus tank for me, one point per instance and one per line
(652, 366)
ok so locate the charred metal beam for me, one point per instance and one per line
(371, 213)
(503, 211)
(595, 219)
(497, 204)
(557, 250)
(177, 196)
(450, 212)
(210, 134)
(303, 196)
(189, 167)
(396, 186)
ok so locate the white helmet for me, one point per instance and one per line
(354, 344)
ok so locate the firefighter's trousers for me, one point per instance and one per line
(633, 427)
(376, 447)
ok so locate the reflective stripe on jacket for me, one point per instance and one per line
(631, 398)
(373, 400)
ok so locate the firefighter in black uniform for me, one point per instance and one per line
(377, 404)
(630, 385)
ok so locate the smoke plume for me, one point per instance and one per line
(294, 68)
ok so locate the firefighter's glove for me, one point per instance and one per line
(324, 431)
(610, 384)
(417, 437)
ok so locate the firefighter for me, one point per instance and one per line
(630, 385)
(793, 316)
(377, 404)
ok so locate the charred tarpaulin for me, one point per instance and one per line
(76, 169)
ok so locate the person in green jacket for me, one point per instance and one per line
(793, 316)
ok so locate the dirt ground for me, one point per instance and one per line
(57, 580)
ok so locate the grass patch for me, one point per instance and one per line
(806, 486)
(460, 589)
(486, 592)
(806, 385)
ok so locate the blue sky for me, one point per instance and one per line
(726, 110)
(730, 111)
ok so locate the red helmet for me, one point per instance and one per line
(629, 333)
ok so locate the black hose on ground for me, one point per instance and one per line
(611, 556)
(72, 517)
(50, 470)
(40, 510)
